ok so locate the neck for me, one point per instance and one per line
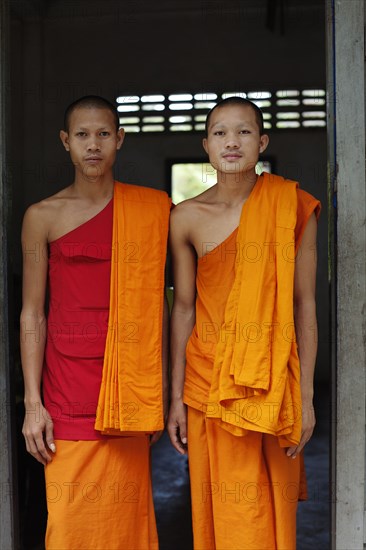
(93, 188)
(235, 187)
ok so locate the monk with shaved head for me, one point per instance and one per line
(95, 360)
(243, 340)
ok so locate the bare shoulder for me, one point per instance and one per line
(183, 218)
(39, 216)
(190, 217)
(191, 208)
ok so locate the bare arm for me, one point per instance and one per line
(306, 328)
(182, 322)
(37, 427)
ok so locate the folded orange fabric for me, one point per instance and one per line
(130, 399)
(256, 375)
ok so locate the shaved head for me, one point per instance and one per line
(240, 101)
(90, 102)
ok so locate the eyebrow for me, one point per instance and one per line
(224, 124)
(84, 128)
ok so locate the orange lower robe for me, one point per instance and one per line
(99, 496)
(244, 489)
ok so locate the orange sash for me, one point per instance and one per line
(256, 375)
(130, 399)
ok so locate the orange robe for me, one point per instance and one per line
(244, 488)
(131, 393)
(99, 496)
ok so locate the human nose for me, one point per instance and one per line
(231, 141)
(93, 144)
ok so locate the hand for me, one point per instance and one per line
(308, 425)
(38, 432)
(177, 426)
(157, 435)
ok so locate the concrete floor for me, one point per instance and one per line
(172, 494)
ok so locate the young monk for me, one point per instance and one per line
(244, 260)
(100, 353)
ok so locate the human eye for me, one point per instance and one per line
(80, 134)
(105, 133)
(244, 131)
(219, 133)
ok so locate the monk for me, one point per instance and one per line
(95, 360)
(243, 340)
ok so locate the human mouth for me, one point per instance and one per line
(232, 156)
(93, 159)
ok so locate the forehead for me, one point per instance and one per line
(229, 114)
(85, 116)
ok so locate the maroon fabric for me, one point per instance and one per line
(79, 281)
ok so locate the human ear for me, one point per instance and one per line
(204, 144)
(263, 143)
(120, 137)
(64, 136)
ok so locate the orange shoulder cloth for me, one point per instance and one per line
(256, 375)
(130, 399)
